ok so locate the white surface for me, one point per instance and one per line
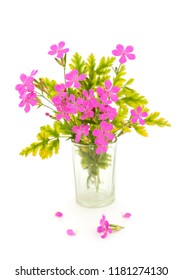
(148, 170)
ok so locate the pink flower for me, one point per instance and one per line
(61, 104)
(103, 132)
(107, 112)
(104, 227)
(58, 49)
(87, 113)
(103, 136)
(75, 105)
(27, 83)
(109, 92)
(138, 115)
(73, 79)
(61, 101)
(80, 130)
(124, 53)
(101, 145)
(27, 100)
(62, 94)
(63, 114)
(60, 88)
(90, 100)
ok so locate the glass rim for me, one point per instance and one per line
(92, 144)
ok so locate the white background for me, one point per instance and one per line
(148, 169)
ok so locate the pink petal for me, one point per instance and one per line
(115, 89)
(133, 113)
(100, 229)
(108, 84)
(27, 108)
(22, 103)
(53, 47)
(109, 230)
(120, 48)
(139, 110)
(77, 85)
(129, 49)
(61, 45)
(60, 54)
(68, 84)
(96, 132)
(81, 77)
(58, 214)
(74, 72)
(122, 59)
(144, 114)
(141, 121)
(65, 50)
(23, 78)
(110, 136)
(130, 56)
(52, 52)
(100, 90)
(127, 215)
(114, 98)
(116, 52)
(104, 235)
(134, 119)
(33, 102)
(34, 72)
(70, 232)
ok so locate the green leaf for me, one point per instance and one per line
(91, 63)
(48, 140)
(140, 130)
(122, 114)
(132, 98)
(101, 79)
(78, 63)
(105, 65)
(118, 79)
(129, 82)
(90, 81)
(153, 119)
(64, 128)
(46, 148)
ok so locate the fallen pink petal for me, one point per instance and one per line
(127, 215)
(58, 214)
(70, 232)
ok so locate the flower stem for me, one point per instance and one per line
(116, 227)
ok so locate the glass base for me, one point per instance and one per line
(94, 175)
(94, 199)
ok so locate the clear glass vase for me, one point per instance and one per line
(94, 175)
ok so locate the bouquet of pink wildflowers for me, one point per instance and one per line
(94, 104)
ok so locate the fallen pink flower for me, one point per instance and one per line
(104, 227)
(58, 214)
(70, 232)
